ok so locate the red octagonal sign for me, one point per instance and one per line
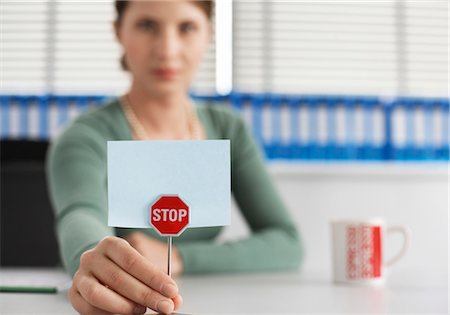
(169, 215)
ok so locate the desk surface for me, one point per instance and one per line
(280, 293)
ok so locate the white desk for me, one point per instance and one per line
(282, 293)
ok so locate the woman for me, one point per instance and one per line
(122, 270)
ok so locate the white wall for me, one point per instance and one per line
(415, 195)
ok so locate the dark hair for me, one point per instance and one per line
(121, 5)
(205, 5)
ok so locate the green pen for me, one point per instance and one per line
(25, 289)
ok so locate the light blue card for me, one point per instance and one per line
(197, 171)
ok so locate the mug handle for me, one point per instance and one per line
(406, 232)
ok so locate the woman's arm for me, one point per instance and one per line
(77, 185)
(109, 275)
(274, 243)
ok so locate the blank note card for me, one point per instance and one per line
(196, 170)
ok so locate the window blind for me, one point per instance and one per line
(24, 36)
(374, 48)
(426, 48)
(334, 47)
(86, 55)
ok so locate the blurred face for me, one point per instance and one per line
(164, 43)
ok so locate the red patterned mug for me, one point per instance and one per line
(358, 250)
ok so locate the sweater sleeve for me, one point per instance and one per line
(274, 243)
(77, 184)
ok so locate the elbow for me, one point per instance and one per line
(295, 253)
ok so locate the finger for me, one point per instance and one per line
(83, 307)
(126, 285)
(99, 296)
(177, 301)
(129, 259)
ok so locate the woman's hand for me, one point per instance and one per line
(114, 278)
(155, 251)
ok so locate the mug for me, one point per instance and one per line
(358, 250)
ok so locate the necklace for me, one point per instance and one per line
(195, 130)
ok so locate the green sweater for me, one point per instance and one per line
(76, 171)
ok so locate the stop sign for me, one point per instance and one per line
(169, 215)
